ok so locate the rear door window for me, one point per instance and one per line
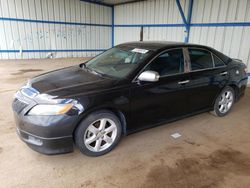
(200, 59)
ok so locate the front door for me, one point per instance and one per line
(156, 102)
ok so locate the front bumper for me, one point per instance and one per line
(44, 134)
(48, 146)
(47, 135)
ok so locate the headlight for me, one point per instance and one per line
(50, 109)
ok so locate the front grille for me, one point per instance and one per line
(18, 105)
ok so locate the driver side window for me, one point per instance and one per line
(168, 63)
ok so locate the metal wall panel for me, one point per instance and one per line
(149, 12)
(220, 11)
(35, 28)
(164, 34)
(126, 34)
(233, 41)
(149, 33)
(20, 35)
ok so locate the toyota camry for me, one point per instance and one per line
(128, 88)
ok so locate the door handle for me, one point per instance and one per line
(184, 82)
(224, 73)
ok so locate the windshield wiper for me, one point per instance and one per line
(94, 71)
(91, 70)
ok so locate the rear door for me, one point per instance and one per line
(208, 76)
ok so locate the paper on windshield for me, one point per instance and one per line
(138, 50)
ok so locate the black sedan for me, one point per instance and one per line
(128, 88)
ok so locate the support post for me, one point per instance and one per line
(189, 18)
(181, 12)
(113, 26)
(186, 21)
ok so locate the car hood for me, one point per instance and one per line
(70, 81)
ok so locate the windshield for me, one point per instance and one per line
(117, 62)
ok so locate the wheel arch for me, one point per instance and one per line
(233, 86)
(121, 117)
(236, 91)
(113, 110)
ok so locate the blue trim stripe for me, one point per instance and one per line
(52, 50)
(248, 74)
(225, 24)
(53, 22)
(149, 25)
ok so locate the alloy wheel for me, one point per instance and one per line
(226, 101)
(100, 135)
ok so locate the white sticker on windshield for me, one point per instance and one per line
(142, 51)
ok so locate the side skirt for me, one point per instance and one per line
(167, 121)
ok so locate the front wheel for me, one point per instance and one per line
(224, 102)
(98, 134)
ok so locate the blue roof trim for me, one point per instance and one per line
(97, 3)
(52, 50)
(224, 24)
(54, 22)
(149, 25)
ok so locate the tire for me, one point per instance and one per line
(222, 106)
(98, 133)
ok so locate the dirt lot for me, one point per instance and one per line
(212, 152)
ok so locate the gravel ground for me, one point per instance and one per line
(212, 151)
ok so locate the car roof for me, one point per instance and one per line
(158, 45)
(162, 45)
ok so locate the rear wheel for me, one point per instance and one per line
(98, 134)
(224, 102)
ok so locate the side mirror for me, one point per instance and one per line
(149, 76)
